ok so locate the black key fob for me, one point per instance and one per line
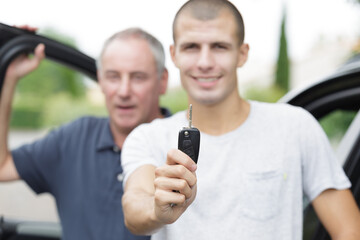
(189, 140)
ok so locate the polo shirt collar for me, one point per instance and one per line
(165, 112)
(106, 140)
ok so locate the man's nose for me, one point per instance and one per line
(206, 59)
(124, 88)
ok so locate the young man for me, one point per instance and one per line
(255, 159)
(80, 163)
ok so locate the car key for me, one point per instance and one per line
(189, 139)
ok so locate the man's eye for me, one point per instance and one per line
(139, 77)
(112, 77)
(190, 47)
(220, 46)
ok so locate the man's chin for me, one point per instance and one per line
(125, 125)
(206, 99)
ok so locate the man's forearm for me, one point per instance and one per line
(348, 236)
(139, 213)
(8, 170)
(5, 112)
(352, 231)
(19, 67)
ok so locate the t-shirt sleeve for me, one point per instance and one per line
(138, 150)
(36, 162)
(321, 169)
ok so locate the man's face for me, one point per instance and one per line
(207, 54)
(130, 83)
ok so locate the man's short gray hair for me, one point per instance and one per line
(155, 45)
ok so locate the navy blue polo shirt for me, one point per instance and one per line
(79, 164)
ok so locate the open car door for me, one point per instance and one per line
(13, 42)
(340, 91)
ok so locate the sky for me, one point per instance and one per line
(90, 23)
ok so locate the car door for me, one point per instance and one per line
(13, 42)
(338, 92)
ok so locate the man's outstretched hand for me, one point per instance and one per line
(175, 186)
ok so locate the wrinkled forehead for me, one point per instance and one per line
(129, 53)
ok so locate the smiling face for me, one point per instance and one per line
(207, 53)
(131, 84)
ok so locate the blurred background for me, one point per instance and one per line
(293, 43)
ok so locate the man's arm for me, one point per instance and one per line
(338, 212)
(21, 66)
(154, 196)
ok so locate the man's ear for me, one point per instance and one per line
(243, 54)
(172, 54)
(164, 81)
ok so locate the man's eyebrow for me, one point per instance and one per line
(185, 44)
(139, 72)
(111, 72)
(227, 44)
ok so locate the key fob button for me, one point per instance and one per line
(187, 143)
(189, 151)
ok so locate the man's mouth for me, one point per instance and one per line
(207, 79)
(207, 82)
(125, 107)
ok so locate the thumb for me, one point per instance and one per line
(39, 52)
(39, 55)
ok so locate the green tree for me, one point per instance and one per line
(281, 86)
(283, 65)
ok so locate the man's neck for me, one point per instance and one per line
(120, 135)
(221, 118)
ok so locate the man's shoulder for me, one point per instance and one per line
(280, 115)
(174, 119)
(279, 109)
(82, 124)
(86, 121)
(161, 125)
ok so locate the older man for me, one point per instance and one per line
(80, 163)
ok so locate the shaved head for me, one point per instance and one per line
(205, 10)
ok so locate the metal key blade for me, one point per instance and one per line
(190, 115)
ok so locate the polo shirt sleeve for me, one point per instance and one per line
(36, 162)
(321, 169)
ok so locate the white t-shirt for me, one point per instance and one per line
(250, 181)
